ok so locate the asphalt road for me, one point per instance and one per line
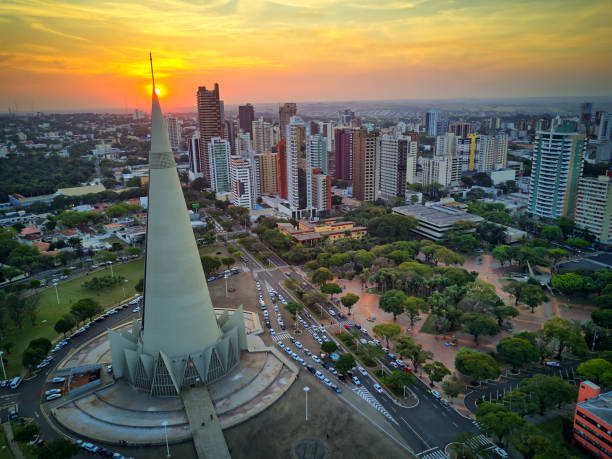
(428, 427)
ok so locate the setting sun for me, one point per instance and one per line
(157, 91)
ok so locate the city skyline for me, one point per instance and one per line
(62, 56)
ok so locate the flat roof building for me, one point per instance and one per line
(434, 221)
(593, 420)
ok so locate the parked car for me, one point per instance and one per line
(551, 363)
(356, 381)
(378, 389)
(436, 394)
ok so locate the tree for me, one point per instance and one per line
(105, 256)
(498, 420)
(65, 324)
(502, 312)
(32, 356)
(139, 287)
(548, 391)
(514, 288)
(210, 264)
(597, 370)
(407, 348)
(578, 243)
(602, 317)
(447, 256)
(349, 300)
(329, 346)
(552, 233)
(476, 364)
(228, 261)
(294, 308)
(557, 254)
(398, 379)
(62, 448)
(413, 306)
(85, 308)
(331, 289)
(532, 296)
(517, 351)
(345, 363)
(25, 433)
(566, 224)
(566, 334)
(393, 301)
(436, 371)
(387, 331)
(567, 282)
(452, 387)
(477, 324)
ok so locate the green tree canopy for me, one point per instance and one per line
(548, 391)
(399, 379)
(62, 448)
(321, 276)
(85, 308)
(65, 324)
(567, 282)
(329, 347)
(349, 300)
(393, 301)
(387, 331)
(210, 264)
(476, 364)
(436, 371)
(597, 370)
(331, 289)
(517, 351)
(413, 306)
(498, 420)
(477, 324)
(452, 386)
(345, 363)
(532, 296)
(552, 233)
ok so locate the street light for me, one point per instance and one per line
(2, 360)
(306, 389)
(165, 424)
(56, 292)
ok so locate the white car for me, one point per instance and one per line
(53, 397)
(436, 394)
(137, 309)
(553, 364)
(319, 375)
(58, 380)
(356, 381)
(298, 345)
(272, 332)
(281, 345)
(332, 312)
(501, 452)
(327, 382)
(362, 371)
(378, 389)
(316, 359)
(53, 391)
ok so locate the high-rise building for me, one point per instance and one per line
(241, 181)
(446, 144)
(179, 343)
(246, 116)
(586, 112)
(209, 123)
(299, 170)
(321, 191)
(229, 133)
(315, 127)
(218, 157)
(345, 117)
(262, 136)
(494, 123)
(174, 132)
(461, 128)
(285, 112)
(195, 162)
(594, 207)
(431, 122)
(344, 154)
(604, 130)
(393, 162)
(318, 151)
(442, 126)
(243, 143)
(267, 164)
(556, 169)
(365, 161)
(282, 169)
(411, 168)
(437, 170)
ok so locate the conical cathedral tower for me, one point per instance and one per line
(179, 342)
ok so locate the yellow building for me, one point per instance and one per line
(311, 232)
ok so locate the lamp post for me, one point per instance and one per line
(56, 292)
(306, 389)
(2, 361)
(165, 424)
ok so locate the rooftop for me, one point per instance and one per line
(81, 190)
(600, 406)
(437, 214)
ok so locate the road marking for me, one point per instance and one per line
(415, 432)
(36, 414)
(368, 397)
(435, 453)
(281, 336)
(455, 424)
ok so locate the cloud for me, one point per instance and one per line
(42, 28)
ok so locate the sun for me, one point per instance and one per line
(157, 91)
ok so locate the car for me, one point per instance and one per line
(501, 452)
(269, 325)
(356, 381)
(53, 391)
(324, 364)
(319, 375)
(436, 394)
(4, 383)
(333, 371)
(391, 355)
(298, 345)
(292, 339)
(315, 336)
(282, 326)
(58, 380)
(394, 365)
(104, 452)
(281, 345)
(347, 326)
(320, 341)
(302, 362)
(91, 447)
(109, 369)
(311, 369)
(272, 332)
(332, 312)
(551, 363)
(362, 371)
(307, 352)
(363, 341)
(53, 397)
(378, 389)
(407, 370)
(34, 439)
(327, 382)
(316, 359)
(42, 364)
(136, 309)
(400, 363)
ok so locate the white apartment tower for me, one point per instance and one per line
(174, 132)
(218, 159)
(263, 136)
(241, 182)
(594, 207)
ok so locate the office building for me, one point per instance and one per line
(195, 162)
(243, 143)
(442, 126)
(392, 165)
(345, 117)
(218, 157)
(431, 122)
(267, 164)
(344, 154)
(209, 123)
(604, 130)
(586, 112)
(436, 220)
(321, 191)
(242, 186)
(229, 133)
(282, 169)
(556, 170)
(446, 144)
(365, 160)
(246, 116)
(494, 123)
(263, 136)
(461, 128)
(318, 152)
(285, 112)
(594, 207)
(593, 420)
(174, 132)
(178, 344)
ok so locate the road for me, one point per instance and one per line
(427, 428)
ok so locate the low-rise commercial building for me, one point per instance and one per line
(311, 232)
(593, 420)
(435, 221)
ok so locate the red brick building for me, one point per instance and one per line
(593, 419)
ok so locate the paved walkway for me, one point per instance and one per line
(9, 438)
(205, 427)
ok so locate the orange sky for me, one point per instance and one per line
(93, 54)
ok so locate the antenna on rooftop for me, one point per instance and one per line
(152, 74)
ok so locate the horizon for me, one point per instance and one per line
(94, 55)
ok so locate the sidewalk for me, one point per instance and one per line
(11, 441)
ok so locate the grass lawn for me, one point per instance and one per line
(208, 249)
(5, 451)
(428, 326)
(553, 430)
(70, 291)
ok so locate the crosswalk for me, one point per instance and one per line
(368, 397)
(434, 453)
(479, 440)
(281, 336)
